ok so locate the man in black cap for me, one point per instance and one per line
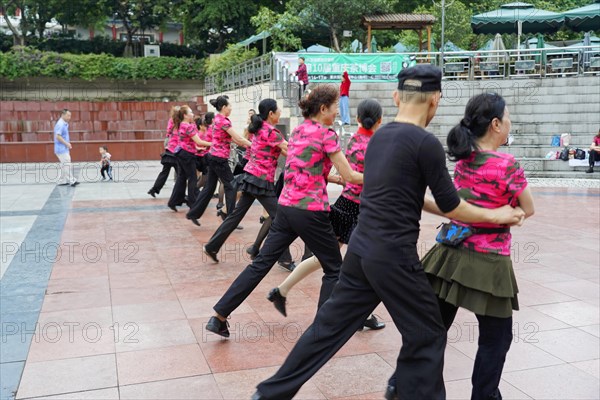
(382, 263)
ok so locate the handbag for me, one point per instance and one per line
(564, 154)
(453, 234)
(579, 154)
(565, 139)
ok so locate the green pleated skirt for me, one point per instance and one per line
(482, 283)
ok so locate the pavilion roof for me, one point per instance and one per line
(398, 21)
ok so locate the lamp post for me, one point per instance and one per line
(442, 4)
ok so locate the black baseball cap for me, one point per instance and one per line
(420, 78)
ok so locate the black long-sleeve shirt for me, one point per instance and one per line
(402, 160)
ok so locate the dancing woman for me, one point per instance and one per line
(257, 180)
(184, 125)
(218, 160)
(478, 274)
(344, 213)
(303, 205)
(167, 158)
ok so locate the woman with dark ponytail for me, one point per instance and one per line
(184, 125)
(205, 127)
(477, 274)
(218, 160)
(344, 213)
(257, 181)
(167, 158)
(303, 207)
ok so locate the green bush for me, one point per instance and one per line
(98, 45)
(6, 42)
(24, 62)
(234, 55)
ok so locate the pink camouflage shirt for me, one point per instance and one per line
(207, 137)
(173, 139)
(307, 167)
(357, 148)
(186, 132)
(264, 153)
(489, 179)
(221, 140)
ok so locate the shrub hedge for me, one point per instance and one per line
(23, 62)
(98, 45)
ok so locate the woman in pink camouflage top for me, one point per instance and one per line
(303, 209)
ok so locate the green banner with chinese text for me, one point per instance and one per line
(328, 67)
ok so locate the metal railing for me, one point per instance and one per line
(531, 63)
(249, 73)
(467, 65)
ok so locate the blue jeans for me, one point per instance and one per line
(345, 109)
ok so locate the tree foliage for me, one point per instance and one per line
(221, 22)
(137, 15)
(281, 27)
(339, 15)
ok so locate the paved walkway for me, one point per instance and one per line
(105, 293)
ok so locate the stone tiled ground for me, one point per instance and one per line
(120, 292)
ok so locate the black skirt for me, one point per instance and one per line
(255, 186)
(344, 217)
(201, 164)
(168, 158)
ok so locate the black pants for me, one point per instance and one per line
(407, 295)
(107, 169)
(301, 89)
(286, 256)
(234, 218)
(594, 156)
(186, 176)
(315, 230)
(495, 337)
(218, 169)
(168, 162)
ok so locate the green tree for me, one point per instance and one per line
(280, 26)
(86, 13)
(220, 22)
(339, 15)
(8, 7)
(137, 15)
(39, 12)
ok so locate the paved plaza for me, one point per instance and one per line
(105, 294)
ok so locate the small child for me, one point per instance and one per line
(105, 163)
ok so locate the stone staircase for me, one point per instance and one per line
(539, 109)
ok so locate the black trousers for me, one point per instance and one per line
(234, 218)
(108, 169)
(218, 169)
(594, 156)
(407, 295)
(495, 338)
(186, 176)
(286, 257)
(167, 162)
(315, 230)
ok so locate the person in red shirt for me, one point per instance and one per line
(344, 100)
(594, 152)
(302, 75)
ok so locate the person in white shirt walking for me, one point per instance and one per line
(62, 147)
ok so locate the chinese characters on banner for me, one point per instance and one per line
(361, 67)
